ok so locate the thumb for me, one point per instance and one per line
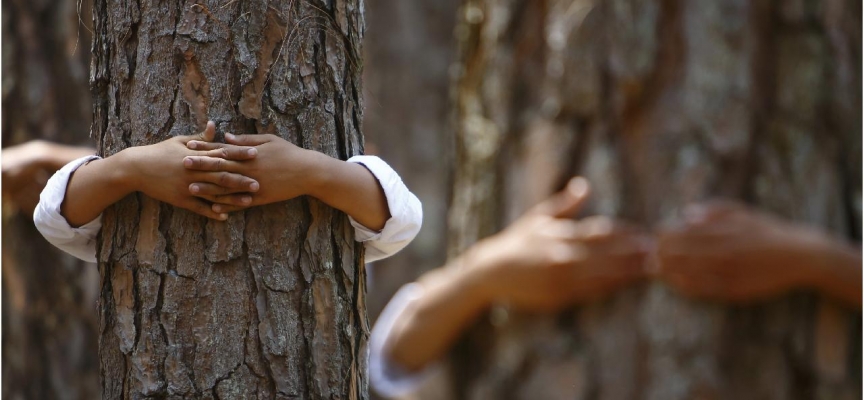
(209, 133)
(246, 140)
(567, 202)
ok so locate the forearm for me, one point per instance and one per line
(353, 189)
(835, 271)
(95, 186)
(430, 325)
(56, 155)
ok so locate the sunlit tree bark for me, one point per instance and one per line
(269, 304)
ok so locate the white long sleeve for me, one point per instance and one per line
(406, 215)
(79, 242)
(386, 377)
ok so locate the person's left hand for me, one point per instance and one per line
(730, 252)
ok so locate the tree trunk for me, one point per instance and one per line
(409, 48)
(49, 315)
(660, 103)
(269, 304)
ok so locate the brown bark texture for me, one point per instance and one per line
(49, 298)
(269, 304)
(660, 103)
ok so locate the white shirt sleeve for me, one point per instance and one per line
(79, 242)
(386, 377)
(406, 213)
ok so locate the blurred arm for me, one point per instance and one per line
(831, 267)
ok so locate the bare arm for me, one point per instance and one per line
(543, 262)
(832, 267)
(352, 189)
(452, 300)
(95, 186)
(731, 252)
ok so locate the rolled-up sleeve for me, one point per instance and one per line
(406, 213)
(387, 377)
(79, 242)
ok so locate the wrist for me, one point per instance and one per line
(478, 272)
(320, 174)
(124, 171)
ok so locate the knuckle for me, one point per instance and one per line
(224, 179)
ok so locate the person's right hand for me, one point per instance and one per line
(546, 261)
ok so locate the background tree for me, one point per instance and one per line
(659, 104)
(49, 298)
(408, 51)
(269, 304)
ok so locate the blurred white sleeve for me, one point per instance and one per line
(406, 213)
(388, 378)
(79, 242)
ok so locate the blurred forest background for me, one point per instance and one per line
(486, 107)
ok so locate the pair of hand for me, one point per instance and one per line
(546, 261)
(214, 179)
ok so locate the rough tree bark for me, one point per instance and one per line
(269, 304)
(660, 103)
(49, 298)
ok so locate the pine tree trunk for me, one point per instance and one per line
(269, 304)
(409, 48)
(660, 103)
(49, 297)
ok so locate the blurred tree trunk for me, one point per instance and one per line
(409, 48)
(49, 298)
(660, 103)
(269, 304)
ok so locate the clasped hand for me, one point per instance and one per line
(219, 178)
(720, 251)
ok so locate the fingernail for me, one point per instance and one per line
(194, 189)
(187, 162)
(229, 135)
(253, 186)
(192, 145)
(217, 208)
(245, 199)
(252, 152)
(223, 216)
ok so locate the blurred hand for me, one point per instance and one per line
(283, 170)
(545, 261)
(727, 251)
(23, 174)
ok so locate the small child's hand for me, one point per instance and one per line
(283, 170)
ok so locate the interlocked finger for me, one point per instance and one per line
(230, 152)
(204, 163)
(237, 199)
(203, 189)
(235, 182)
(227, 208)
(199, 145)
(203, 208)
